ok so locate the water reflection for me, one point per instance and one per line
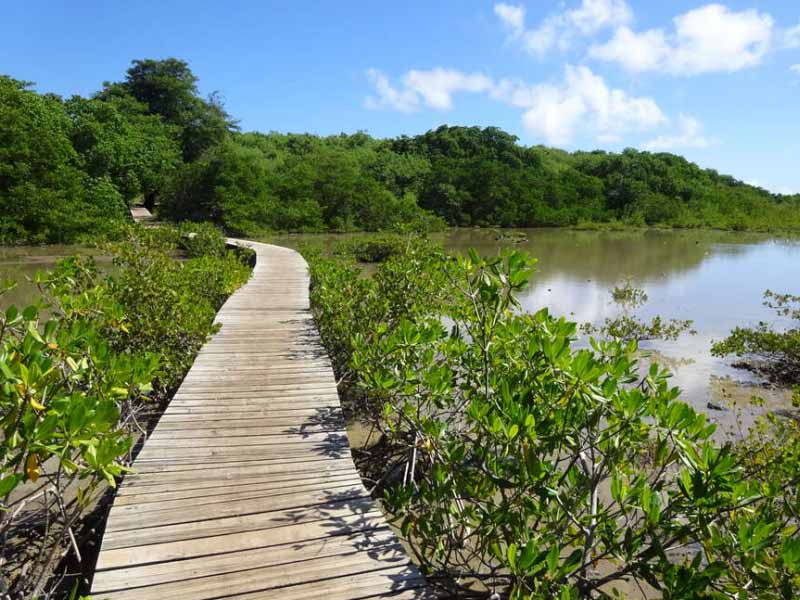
(714, 278)
(21, 263)
(605, 257)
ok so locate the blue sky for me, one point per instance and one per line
(716, 82)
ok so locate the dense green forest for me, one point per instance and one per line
(70, 167)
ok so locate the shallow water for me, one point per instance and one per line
(714, 278)
(21, 263)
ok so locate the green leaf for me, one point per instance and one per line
(513, 431)
(552, 559)
(7, 484)
(511, 556)
(528, 555)
(34, 333)
(7, 373)
(790, 553)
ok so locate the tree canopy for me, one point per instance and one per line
(44, 193)
(68, 168)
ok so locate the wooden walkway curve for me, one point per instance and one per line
(246, 488)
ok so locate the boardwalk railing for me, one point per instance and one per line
(246, 488)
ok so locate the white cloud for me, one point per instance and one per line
(389, 97)
(559, 29)
(434, 88)
(635, 51)
(706, 39)
(583, 101)
(593, 15)
(688, 135)
(795, 68)
(791, 37)
(512, 16)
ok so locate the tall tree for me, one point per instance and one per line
(117, 138)
(44, 194)
(168, 88)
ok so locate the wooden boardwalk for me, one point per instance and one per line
(246, 488)
(141, 215)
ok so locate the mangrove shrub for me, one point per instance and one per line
(518, 467)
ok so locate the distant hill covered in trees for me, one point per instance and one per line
(69, 168)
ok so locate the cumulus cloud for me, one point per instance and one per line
(582, 102)
(791, 37)
(387, 96)
(689, 134)
(513, 17)
(593, 15)
(707, 39)
(434, 88)
(559, 29)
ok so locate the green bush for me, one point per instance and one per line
(345, 304)
(64, 397)
(166, 306)
(201, 239)
(763, 348)
(371, 248)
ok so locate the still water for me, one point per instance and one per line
(714, 278)
(21, 263)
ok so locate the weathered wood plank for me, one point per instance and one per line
(271, 581)
(162, 495)
(291, 533)
(246, 488)
(244, 560)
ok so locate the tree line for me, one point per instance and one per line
(69, 168)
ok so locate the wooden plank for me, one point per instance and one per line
(251, 369)
(404, 585)
(241, 540)
(257, 465)
(291, 397)
(268, 579)
(246, 488)
(265, 389)
(338, 448)
(167, 493)
(280, 400)
(199, 484)
(307, 412)
(135, 517)
(240, 441)
(271, 498)
(202, 422)
(248, 432)
(244, 560)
